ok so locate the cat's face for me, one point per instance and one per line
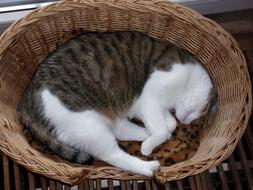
(193, 104)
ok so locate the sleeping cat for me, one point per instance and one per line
(80, 98)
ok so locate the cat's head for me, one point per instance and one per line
(196, 96)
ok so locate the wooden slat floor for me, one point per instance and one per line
(234, 173)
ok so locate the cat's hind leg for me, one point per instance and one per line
(126, 130)
(123, 160)
(105, 147)
(90, 132)
(93, 135)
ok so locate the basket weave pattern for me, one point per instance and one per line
(28, 41)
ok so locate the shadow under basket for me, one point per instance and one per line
(30, 40)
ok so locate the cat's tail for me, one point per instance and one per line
(43, 134)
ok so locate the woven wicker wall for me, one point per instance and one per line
(26, 43)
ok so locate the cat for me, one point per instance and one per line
(81, 97)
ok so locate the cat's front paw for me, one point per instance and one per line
(146, 150)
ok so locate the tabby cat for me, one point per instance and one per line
(82, 96)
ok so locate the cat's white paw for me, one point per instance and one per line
(151, 167)
(147, 172)
(146, 150)
(154, 165)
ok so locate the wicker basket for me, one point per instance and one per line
(28, 41)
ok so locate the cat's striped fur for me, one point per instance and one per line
(100, 71)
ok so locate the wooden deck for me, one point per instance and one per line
(234, 173)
